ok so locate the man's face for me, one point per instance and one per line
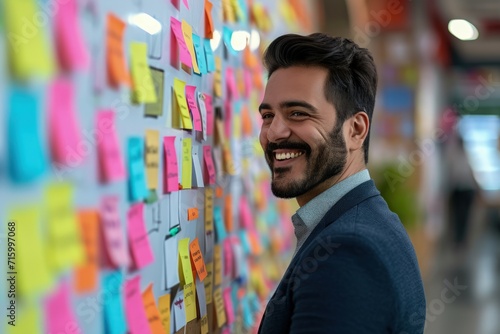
(303, 143)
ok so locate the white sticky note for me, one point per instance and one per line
(171, 260)
(197, 171)
(178, 307)
(203, 113)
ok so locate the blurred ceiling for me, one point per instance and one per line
(485, 15)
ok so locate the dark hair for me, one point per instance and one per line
(352, 77)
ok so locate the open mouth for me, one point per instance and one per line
(287, 155)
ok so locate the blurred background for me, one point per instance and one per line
(434, 150)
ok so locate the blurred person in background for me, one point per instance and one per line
(354, 269)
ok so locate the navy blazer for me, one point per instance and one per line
(356, 273)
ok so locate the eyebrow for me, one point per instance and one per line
(290, 104)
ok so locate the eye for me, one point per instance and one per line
(297, 113)
(267, 115)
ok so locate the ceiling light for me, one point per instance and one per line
(215, 41)
(146, 22)
(254, 40)
(463, 30)
(239, 40)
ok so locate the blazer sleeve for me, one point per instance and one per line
(346, 290)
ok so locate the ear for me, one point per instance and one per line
(358, 126)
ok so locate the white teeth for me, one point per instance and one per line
(288, 155)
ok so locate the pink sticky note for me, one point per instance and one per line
(60, 317)
(180, 47)
(71, 49)
(232, 90)
(116, 249)
(111, 165)
(228, 118)
(134, 307)
(170, 169)
(228, 303)
(209, 174)
(193, 107)
(65, 141)
(186, 3)
(142, 255)
(246, 214)
(210, 114)
(228, 258)
(248, 83)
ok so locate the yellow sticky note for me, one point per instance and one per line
(164, 308)
(143, 89)
(28, 319)
(209, 211)
(65, 243)
(237, 10)
(204, 325)
(27, 43)
(152, 157)
(190, 301)
(218, 77)
(187, 163)
(180, 106)
(236, 126)
(186, 273)
(30, 260)
(217, 265)
(208, 282)
(219, 307)
(228, 11)
(187, 32)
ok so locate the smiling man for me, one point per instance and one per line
(354, 268)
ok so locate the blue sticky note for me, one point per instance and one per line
(114, 316)
(27, 158)
(209, 55)
(243, 11)
(200, 54)
(247, 312)
(220, 229)
(227, 33)
(137, 177)
(245, 243)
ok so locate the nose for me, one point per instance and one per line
(278, 130)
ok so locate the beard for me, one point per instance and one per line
(328, 160)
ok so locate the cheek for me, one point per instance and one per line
(263, 137)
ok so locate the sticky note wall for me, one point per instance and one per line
(132, 182)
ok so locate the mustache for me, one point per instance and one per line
(287, 145)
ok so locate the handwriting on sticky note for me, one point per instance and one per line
(178, 44)
(217, 265)
(111, 165)
(137, 175)
(112, 230)
(170, 173)
(86, 274)
(187, 163)
(209, 211)
(181, 104)
(208, 281)
(143, 89)
(59, 310)
(190, 301)
(197, 258)
(187, 32)
(64, 132)
(186, 271)
(218, 77)
(142, 254)
(193, 106)
(209, 165)
(192, 213)
(134, 307)
(34, 275)
(219, 307)
(71, 49)
(66, 247)
(179, 310)
(164, 308)
(152, 313)
(152, 157)
(117, 69)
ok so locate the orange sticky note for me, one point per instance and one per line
(228, 213)
(86, 274)
(209, 23)
(152, 313)
(246, 121)
(115, 58)
(249, 59)
(192, 213)
(164, 308)
(219, 192)
(197, 258)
